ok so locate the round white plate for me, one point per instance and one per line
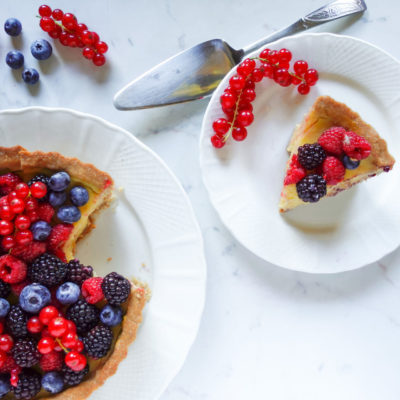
(151, 233)
(244, 179)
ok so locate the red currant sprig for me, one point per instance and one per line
(238, 96)
(65, 28)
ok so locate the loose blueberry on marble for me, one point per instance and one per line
(111, 315)
(69, 214)
(68, 293)
(57, 199)
(41, 49)
(30, 76)
(79, 196)
(53, 382)
(350, 163)
(5, 385)
(15, 59)
(4, 307)
(59, 181)
(34, 297)
(41, 230)
(12, 27)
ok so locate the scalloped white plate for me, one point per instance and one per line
(150, 233)
(244, 180)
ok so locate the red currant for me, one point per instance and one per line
(22, 222)
(38, 190)
(6, 227)
(282, 77)
(69, 21)
(80, 44)
(45, 11)
(34, 325)
(24, 237)
(237, 82)
(248, 95)
(8, 242)
(220, 126)
(239, 133)
(257, 75)
(300, 67)
(217, 142)
(79, 346)
(284, 55)
(303, 88)
(87, 37)
(246, 67)
(46, 345)
(80, 28)
(47, 314)
(264, 54)
(273, 57)
(31, 204)
(6, 343)
(245, 118)
(250, 84)
(6, 213)
(56, 32)
(96, 37)
(88, 53)
(229, 112)
(69, 340)
(47, 24)
(72, 40)
(57, 326)
(284, 64)
(246, 107)
(296, 80)
(268, 70)
(17, 206)
(311, 77)
(76, 361)
(228, 100)
(57, 14)
(64, 38)
(101, 47)
(98, 60)
(22, 190)
(71, 327)
(3, 358)
(4, 201)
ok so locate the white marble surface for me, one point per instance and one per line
(266, 332)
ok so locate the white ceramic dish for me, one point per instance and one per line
(151, 233)
(244, 179)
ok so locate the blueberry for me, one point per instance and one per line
(30, 76)
(111, 315)
(41, 49)
(5, 385)
(34, 297)
(15, 59)
(69, 214)
(57, 199)
(41, 230)
(53, 382)
(79, 196)
(4, 307)
(68, 293)
(13, 27)
(350, 163)
(59, 181)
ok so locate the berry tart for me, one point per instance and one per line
(330, 151)
(63, 330)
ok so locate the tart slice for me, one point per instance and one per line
(65, 331)
(330, 151)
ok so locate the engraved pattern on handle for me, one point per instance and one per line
(335, 9)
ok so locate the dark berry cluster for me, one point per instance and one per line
(238, 96)
(65, 28)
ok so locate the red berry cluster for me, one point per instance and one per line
(7, 363)
(65, 27)
(237, 97)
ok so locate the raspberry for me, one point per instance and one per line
(116, 288)
(12, 270)
(9, 365)
(84, 315)
(331, 140)
(73, 378)
(295, 171)
(17, 287)
(45, 212)
(25, 352)
(356, 146)
(29, 384)
(47, 270)
(91, 290)
(78, 273)
(8, 183)
(98, 341)
(59, 235)
(4, 289)
(311, 155)
(16, 321)
(333, 170)
(52, 361)
(311, 188)
(30, 251)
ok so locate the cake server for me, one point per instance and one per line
(195, 73)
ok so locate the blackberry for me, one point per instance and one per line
(47, 270)
(116, 288)
(73, 378)
(311, 188)
(16, 321)
(78, 273)
(98, 341)
(25, 352)
(311, 155)
(5, 289)
(44, 179)
(29, 384)
(84, 315)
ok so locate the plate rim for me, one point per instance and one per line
(212, 196)
(196, 227)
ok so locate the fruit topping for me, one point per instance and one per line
(47, 270)
(16, 321)
(84, 315)
(92, 291)
(78, 273)
(69, 214)
(355, 146)
(295, 171)
(25, 352)
(311, 188)
(41, 230)
(12, 270)
(349, 163)
(333, 170)
(331, 140)
(34, 297)
(310, 156)
(68, 293)
(73, 378)
(79, 196)
(116, 288)
(29, 384)
(51, 361)
(53, 382)
(111, 315)
(98, 341)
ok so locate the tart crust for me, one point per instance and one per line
(18, 159)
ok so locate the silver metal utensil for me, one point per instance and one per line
(195, 73)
